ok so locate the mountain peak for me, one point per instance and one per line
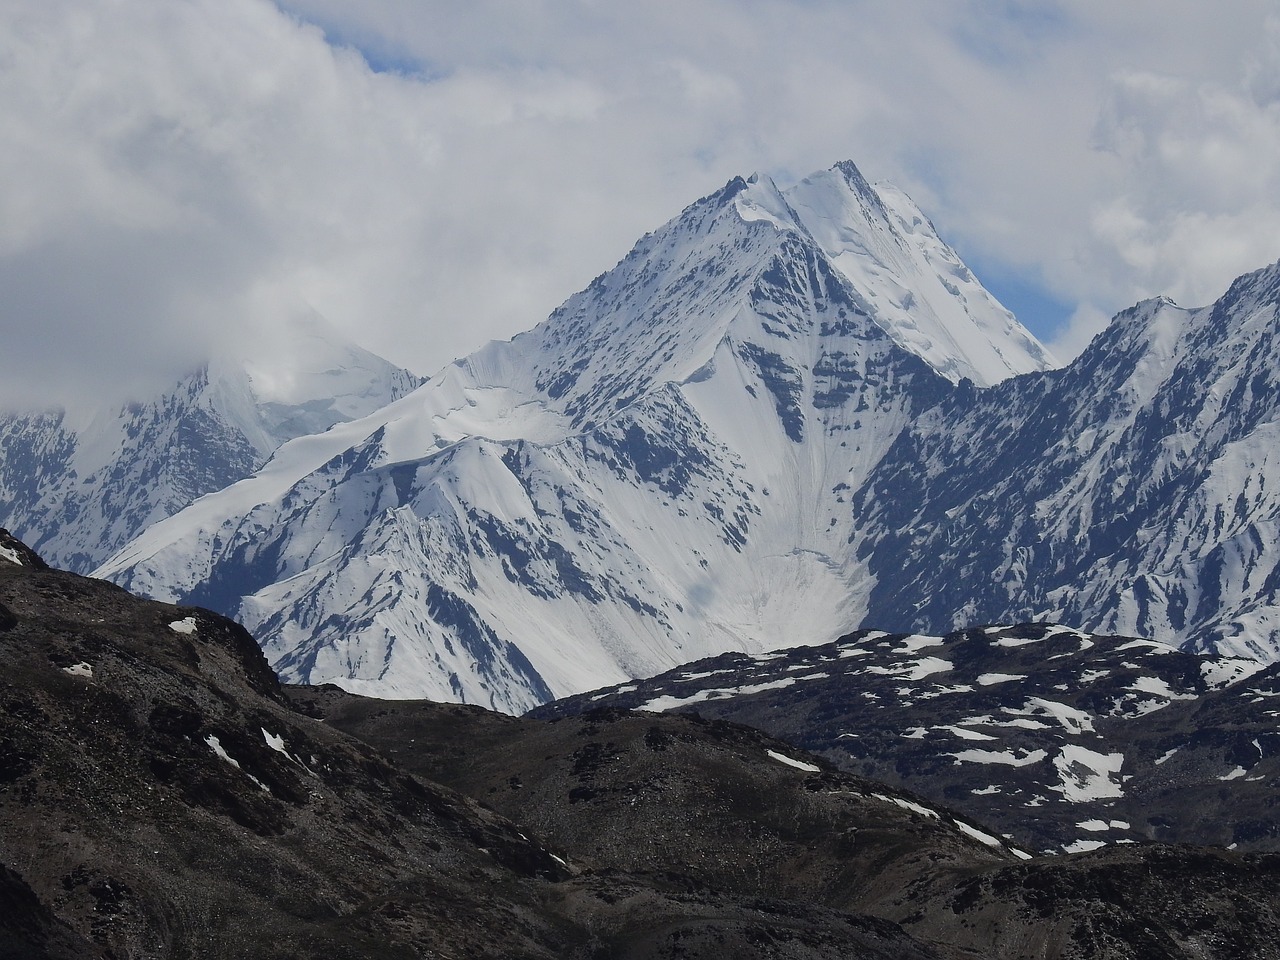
(853, 176)
(762, 200)
(917, 287)
(860, 185)
(631, 474)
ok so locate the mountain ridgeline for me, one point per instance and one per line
(1134, 491)
(784, 415)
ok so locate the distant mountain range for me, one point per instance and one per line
(79, 491)
(1135, 491)
(783, 416)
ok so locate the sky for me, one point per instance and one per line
(182, 177)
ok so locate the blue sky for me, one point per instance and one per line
(178, 175)
(1031, 302)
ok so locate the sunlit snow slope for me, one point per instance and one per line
(660, 471)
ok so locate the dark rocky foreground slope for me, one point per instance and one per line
(161, 795)
(676, 796)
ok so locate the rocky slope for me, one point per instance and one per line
(1060, 740)
(683, 797)
(161, 796)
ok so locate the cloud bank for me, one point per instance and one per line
(178, 176)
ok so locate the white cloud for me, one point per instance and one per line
(175, 174)
(1198, 199)
(1085, 322)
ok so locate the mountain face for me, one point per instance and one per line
(1134, 491)
(161, 794)
(1060, 741)
(79, 492)
(658, 472)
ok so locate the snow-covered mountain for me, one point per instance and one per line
(81, 491)
(660, 471)
(1136, 491)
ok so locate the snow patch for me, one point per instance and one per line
(216, 746)
(1008, 758)
(79, 670)
(186, 626)
(798, 764)
(1158, 687)
(916, 643)
(913, 670)
(964, 734)
(1018, 641)
(1088, 775)
(688, 677)
(916, 808)
(275, 743)
(977, 834)
(988, 679)
(1072, 720)
(629, 688)
(1151, 646)
(909, 805)
(664, 703)
(942, 691)
(8, 553)
(1223, 673)
(1022, 723)
(1084, 846)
